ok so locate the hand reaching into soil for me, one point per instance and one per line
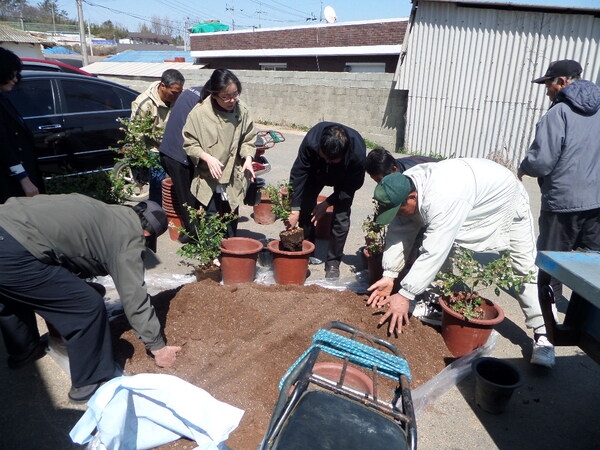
(397, 313)
(166, 356)
(380, 290)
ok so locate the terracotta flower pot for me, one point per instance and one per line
(290, 267)
(354, 378)
(323, 228)
(262, 212)
(174, 221)
(462, 336)
(238, 259)
(170, 203)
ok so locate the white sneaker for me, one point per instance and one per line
(543, 352)
(428, 311)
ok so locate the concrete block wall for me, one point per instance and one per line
(366, 102)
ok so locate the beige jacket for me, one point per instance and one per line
(148, 103)
(229, 137)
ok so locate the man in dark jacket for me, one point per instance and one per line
(331, 154)
(18, 166)
(565, 157)
(174, 159)
(380, 163)
(48, 245)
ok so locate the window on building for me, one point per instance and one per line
(364, 67)
(273, 66)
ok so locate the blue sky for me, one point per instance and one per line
(253, 13)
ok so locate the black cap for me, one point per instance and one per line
(562, 68)
(156, 217)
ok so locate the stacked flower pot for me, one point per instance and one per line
(172, 207)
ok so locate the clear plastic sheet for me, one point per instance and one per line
(453, 374)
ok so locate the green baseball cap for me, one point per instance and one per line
(390, 194)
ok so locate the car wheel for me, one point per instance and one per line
(136, 187)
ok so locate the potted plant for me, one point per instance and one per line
(204, 246)
(374, 234)
(135, 156)
(263, 210)
(467, 317)
(291, 251)
(103, 186)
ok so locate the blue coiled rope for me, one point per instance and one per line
(387, 364)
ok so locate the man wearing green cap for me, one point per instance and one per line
(475, 203)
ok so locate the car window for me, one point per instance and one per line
(33, 98)
(41, 67)
(89, 97)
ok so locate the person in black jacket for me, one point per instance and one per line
(174, 159)
(380, 163)
(331, 154)
(18, 170)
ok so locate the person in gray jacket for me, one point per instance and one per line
(565, 157)
(48, 245)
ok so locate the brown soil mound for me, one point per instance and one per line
(238, 341)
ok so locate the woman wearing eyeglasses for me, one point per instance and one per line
(18, 170)
(219, 138)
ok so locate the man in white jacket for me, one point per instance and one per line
(475, 203)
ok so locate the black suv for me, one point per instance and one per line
(74, 119)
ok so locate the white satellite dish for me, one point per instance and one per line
(329, 14)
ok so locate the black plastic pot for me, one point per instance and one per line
(495, 382)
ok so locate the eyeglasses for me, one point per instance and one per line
(228, 98)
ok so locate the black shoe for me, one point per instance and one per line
(83, 393)
(16, 362)
(184, 239)
(100, 289)
(332, 272)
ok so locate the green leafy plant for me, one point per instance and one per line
(103, 186)
(280, 196)
(140, 137)
(457, 285)
(204, 244)
(374, 233)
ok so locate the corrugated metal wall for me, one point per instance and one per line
(468, 73)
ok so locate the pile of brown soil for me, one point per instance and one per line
(238, 341)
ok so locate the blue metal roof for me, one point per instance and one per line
(149, 56)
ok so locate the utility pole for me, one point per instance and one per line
(259, 12)
(91, 43)
(232, 9)
(53, 23)
(82, 34)
(186, 33)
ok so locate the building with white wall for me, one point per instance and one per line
(467, 67)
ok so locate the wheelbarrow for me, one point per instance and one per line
(319, 411)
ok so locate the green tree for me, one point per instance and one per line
(11, 9)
